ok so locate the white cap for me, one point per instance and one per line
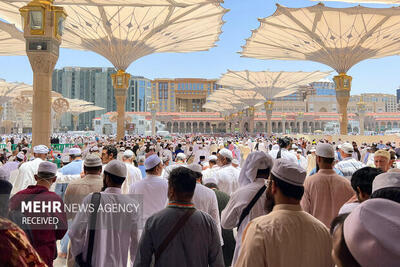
(212, 158)
(95, 148)
(21, 155)
(128, 153)
(47, 167)
(4, 175)
(181, 156)
(92, 160)
(235, 161)
(226, 153)
(294, 146)
(41, 149)
(75, 151)
(385, 180)
(122, 149)
(65, 158)
(312, 149)
(210, 180)
(195, 167)
(372, 233)
(289, 172)
(151, 162)
(117, 168)
(347, 148)
(325, 150)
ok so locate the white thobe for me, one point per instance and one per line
(134, 175)
(155, 194)
(26, 174)
(209, 173)
(204, 199)
(168, 169)
(285, 154)
(228, 179)
(237, 203)
(116, 234)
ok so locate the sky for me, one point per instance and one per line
(369, 76)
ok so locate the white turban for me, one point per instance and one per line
(255, 161)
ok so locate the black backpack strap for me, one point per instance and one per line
(92, 226)
(247, 210)
(181, 222)
(279, 155)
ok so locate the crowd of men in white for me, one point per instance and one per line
(218, 202)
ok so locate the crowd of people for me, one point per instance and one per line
(200, 201)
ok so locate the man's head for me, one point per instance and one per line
(224, 157)
(346, 150)
(387, 185)
(181, 184)
(74, 153)
(20, 156)
(375, 222)
(181, 157)
(196, 168)
(92, 165)
(108, 154)
(153, 165)
(141, 160)
(235, 163)
(325, 156)
(382, 160)
(128, 156)
(285, 183)
(361, 182)
(284, 142)
(46, 174)
(114, 174)
(40, 151)
(212, 160)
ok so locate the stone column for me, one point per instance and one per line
(42, 65)
(75, 120)
(268, 105)
(343, 86)
(251, 122)
(284, 124)
(121, 83)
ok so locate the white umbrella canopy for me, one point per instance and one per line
(139, 3)
(125, 33)
(363, 1)
(12, 42)
(337, 37)
(270, 83)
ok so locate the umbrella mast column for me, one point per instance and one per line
(268, 110)
(251, 122)
(121, 83)
(43, 25)
(343, 86)
(361, 108)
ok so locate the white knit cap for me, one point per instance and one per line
(128, 153)
(75, 151)
(212, 158)
(92, 160)
(152, 161)
(47, 167)
(41, 149)
(4, 175)
(289, 172)
(226, 153)
(385, 180)
(325, 150)
(195, 167)
(181, 156)
(21, 155)
(117, 168)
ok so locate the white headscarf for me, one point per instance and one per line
(255, 161)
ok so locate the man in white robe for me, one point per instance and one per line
(28, 169)
(227, 176)
(134, 174)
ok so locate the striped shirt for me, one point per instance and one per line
(348, 166)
